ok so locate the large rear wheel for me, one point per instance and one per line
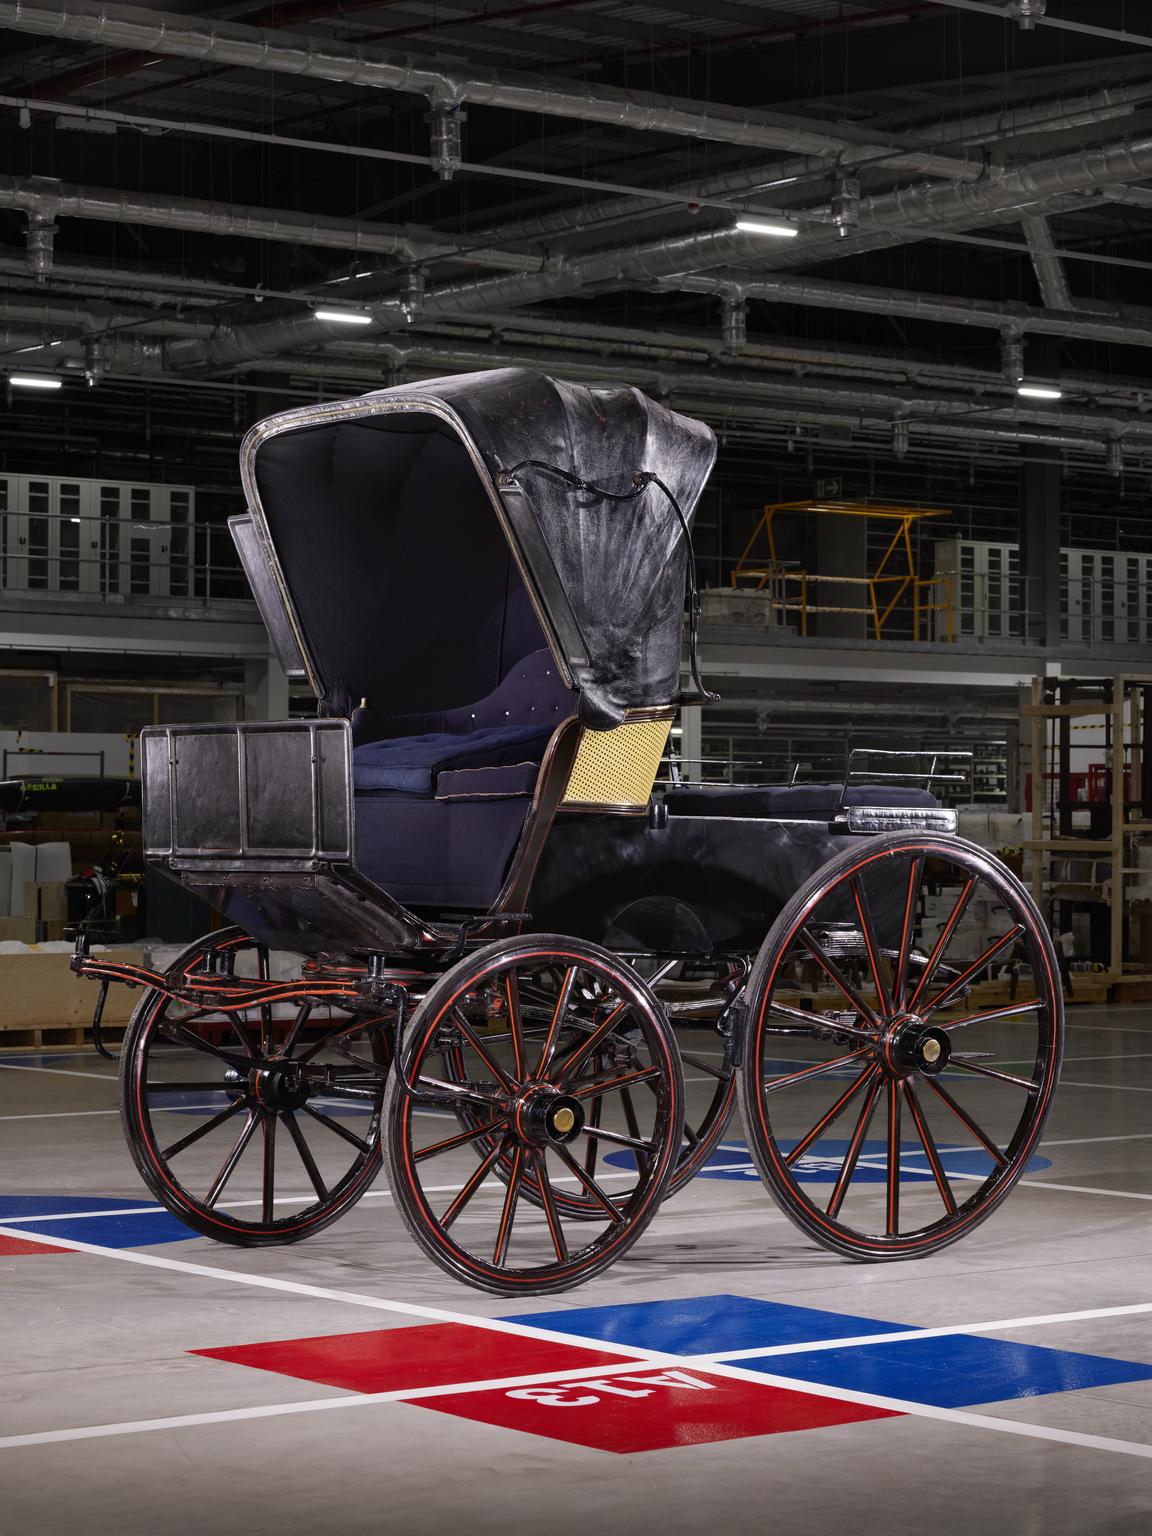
(903, 1041)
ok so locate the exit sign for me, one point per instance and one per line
(829, 490)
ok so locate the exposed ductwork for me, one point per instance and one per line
(747, 182)
(1050, 273)
(45, 199)
(933, 205)
(1128, 327)
(172, 35)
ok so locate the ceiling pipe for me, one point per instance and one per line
(1053, 114)
(931, 205)
(319, 57)
(1046, 263)
(45, 199)
(1121, 327)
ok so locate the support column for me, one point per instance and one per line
(841, 549)
(692, 741)
(265, 690)
(1041, 481)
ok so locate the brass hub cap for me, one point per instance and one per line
(909, 1045)
(543, 1115)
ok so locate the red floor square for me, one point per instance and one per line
(652, 1410)
(385, 1359)
(18, 1247)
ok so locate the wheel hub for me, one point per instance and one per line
(543, 1116)
(909, 1045)
(273, 1085)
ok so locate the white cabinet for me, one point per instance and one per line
(95, 537)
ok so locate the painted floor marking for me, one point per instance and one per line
(1112, 1087)
(523, 1330)
(91, 1077)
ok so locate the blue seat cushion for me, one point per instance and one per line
(409, 765)
(788, 802)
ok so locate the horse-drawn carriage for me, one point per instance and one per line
(470, 937)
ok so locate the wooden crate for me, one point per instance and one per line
(40, 996)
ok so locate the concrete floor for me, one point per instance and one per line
(1030, 1411)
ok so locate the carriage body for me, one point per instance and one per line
(482, 579)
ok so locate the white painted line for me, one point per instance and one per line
(522, 1330)
(1111, 1087)
(91, 1077)
(1084, 1141)
(489, 1186)
(63, 1114)
(906, 1335)
(1083, 1189)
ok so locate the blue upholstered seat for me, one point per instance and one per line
(411, 765)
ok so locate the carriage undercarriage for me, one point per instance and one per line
(468, 939)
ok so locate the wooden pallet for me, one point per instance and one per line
(38, 1039)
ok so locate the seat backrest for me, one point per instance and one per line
(531, 693)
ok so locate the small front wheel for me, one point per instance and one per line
(904, 1036)
(543, 1116)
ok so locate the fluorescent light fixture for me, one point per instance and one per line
(73, 519)
(1039, 392)
(343, 316)
(752, 226)
(34, 381)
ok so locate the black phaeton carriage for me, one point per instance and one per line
(468, 935)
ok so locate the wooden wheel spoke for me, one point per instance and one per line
(941, 999)
(927, 1141)
(515, 1024)
(343, 1027)
(268, 1192)
(299, 1024)
(633, 1124)
(240, 1030)
(618, 1138)
(595, 1114)
(864, 913)
(967, 1121)
(306, 1157)
(1013, 1010)
(590, 1043)
(553, 1036)
(852, 1156)
(892, 1202)
(615, 1084)
(999, 1077)
(836, 976)
(907, 930)
(589, 1183)
(171, 1030)
(511, 1200)
(830, 1116)
(475, 1179)
(461, 1140)
(477, 1045)
(704, 1066)
(180, 1086)
(772, 1085)
(228, 1167)
(202, 1130)
(548, 1200)
(337, 1129)
(968, 890)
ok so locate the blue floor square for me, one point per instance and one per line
(952, 1372)
(705, 1324)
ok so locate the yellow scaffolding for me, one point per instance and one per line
(769, 572)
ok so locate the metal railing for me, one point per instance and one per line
(119, 559)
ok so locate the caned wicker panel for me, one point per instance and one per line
(617, 768)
